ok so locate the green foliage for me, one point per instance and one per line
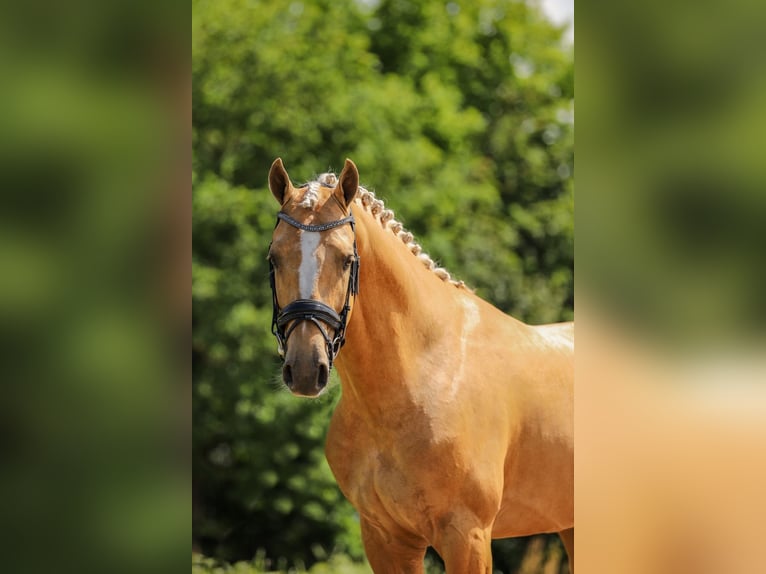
(458, 116)
(334, 564)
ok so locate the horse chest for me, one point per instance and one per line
(385, 492)
(405, 482)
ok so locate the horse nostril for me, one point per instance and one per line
(324, 374)
(287, 376)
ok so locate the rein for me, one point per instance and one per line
(310, 309)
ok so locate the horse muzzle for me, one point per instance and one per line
(306, 374)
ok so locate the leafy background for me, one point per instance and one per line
(460, 116)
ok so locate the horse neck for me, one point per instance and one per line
(401, 309)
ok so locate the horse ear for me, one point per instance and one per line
(279, 181)
(348, 183)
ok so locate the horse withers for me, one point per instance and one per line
(455, 422)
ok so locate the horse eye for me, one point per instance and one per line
(348, 261)
(272, 260)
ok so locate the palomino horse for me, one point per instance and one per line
(455, 424)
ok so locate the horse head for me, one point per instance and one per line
(314, 273)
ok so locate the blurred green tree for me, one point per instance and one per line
(458, 115)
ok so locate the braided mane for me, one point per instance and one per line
(367, 200)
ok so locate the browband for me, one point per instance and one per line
(322, 227)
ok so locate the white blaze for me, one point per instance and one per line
(309, 269)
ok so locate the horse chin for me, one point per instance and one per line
(302, 395)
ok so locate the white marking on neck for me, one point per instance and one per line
(471, 319)
(555, 337)
(309, 269)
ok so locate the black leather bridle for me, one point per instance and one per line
(310, 309)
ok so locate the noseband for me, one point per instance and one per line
(310, 309)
